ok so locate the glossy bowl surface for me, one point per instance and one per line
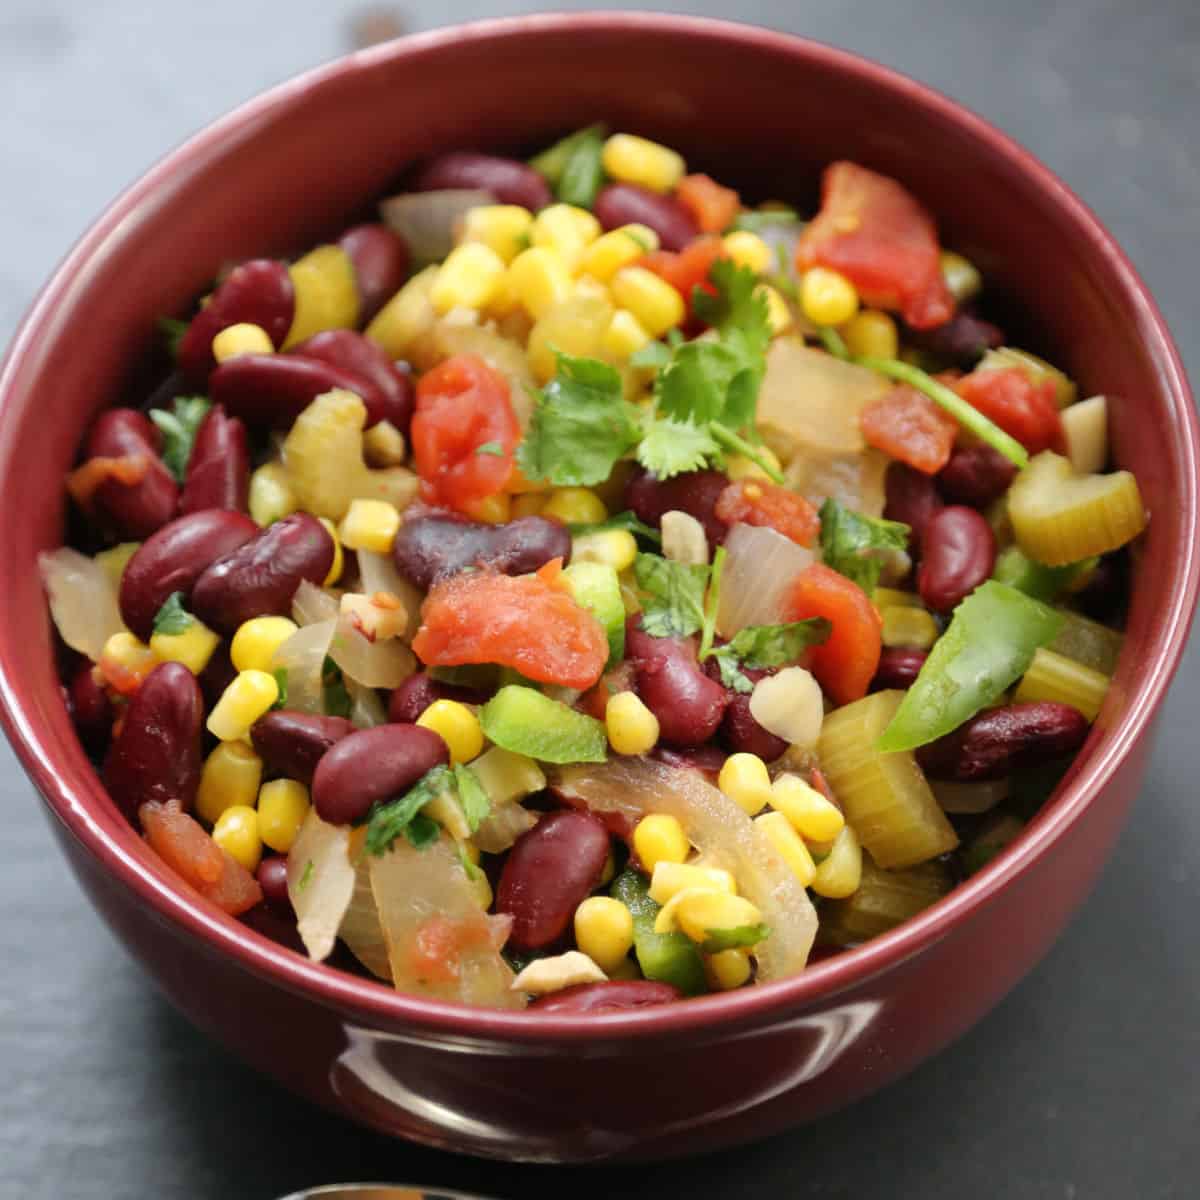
(296, 165)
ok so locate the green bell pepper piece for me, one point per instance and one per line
(665, 957)
(1018, 570)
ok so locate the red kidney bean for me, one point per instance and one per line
(292, 743)
(549, 871)
(689, 706)
(975, 475)
(261, 576)
(911, 497)
(174, 558)
(627, 204)
(372, 765)
(695, 493)
(272, 878)
(280, 927)
(510, 181)
(269, 391)
(258, 292)
(898, 667)
(617, 995)
(963, 339)
(156, 758)
(217, 675)
(740, 732)
(380, 257)
(958, 552)
(418, 692)
(1000, 740)
(708, 760)
(90, 708)
(429, 548)
(137, 509)
(218, 471)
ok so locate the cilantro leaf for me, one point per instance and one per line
(652, 354)
(672, 447)
(179, 430)
(856, 545)
(422, 831)
(387, 821)
(172, 618)
(673, 603)
(730, 939)
(490, 448)
(622, 520)
(471, 796)
(581, 425)
(335, 699)
(694, 385)
(758, 647)
(172, 331)
(281, 681)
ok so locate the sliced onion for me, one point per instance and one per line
(502, 826)
(83, 600)
(378, 574)
(760, 567)
(366, 709)
(426, 220)
(321, 881)
(360, 928)
(311, 604)
(385, 664)
(302, 656)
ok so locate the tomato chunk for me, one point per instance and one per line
(908, 426)
(846, 663)
(877, 235)
(687, 268)
(713, 206)
(462, 406)
(1021, 407)
(526, 622)
(758, 502)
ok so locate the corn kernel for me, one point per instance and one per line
(384, 445)
(528, 504)
(840, 871)
(884, 597)
(810, 814)
(748, 250)
(125, 662)
(872, 334)
(469, 278)
(827, 297)
(566, 230)
(739, 467)
(905, 626)
(659, 837)
(575, 506)
(633, 159)
(539, 280)
(242, 338)
(604, 930)
(588, 287)
(616, 548)
(236, 832)
(193, 647)
(670, 878)
(271, 496)
(282, 806)
(961, 275)
(632, 728)
(624, 335)
(241, 704)
(255, 642)
(231, 776)
(779, 316)
(618, 248)
(457, 726)
(377, 617)
(503, 228)
(370, 525)
(495, 509)
(701, 915)
(113, 560)
(788, 844)
(339, 558)
(728, 969)
(654, 302)
(745, 781)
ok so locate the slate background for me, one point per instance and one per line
(1081, 1084)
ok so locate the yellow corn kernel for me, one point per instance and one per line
(840, 871)
(633, 159)
(528, 504)
(905, 626)
(811, 814)
(728, 969)
(113, 560)
(664, 920)
(339, 558)
(871, 333)
(624, 335)
(616, 548)
(670, 878)
(748, 250)
(127, 655)
(236, 832)
(370, 525)
(193, 647)
(618, 248)
(503, 228)
(788, 844)
(255, 642)
(495, 509)
(243, 338)
(384, 445)
(961, 275)
(779, 316)
(566, 230)
(745, 781)
(407, 316)
(282, 806)
(632, 728)
(575, 506)
(589, 287)
(469, 278)
(457, 726)
(654, 302)
(271, 496)
(231, 776)
(326, 292)
(701, 915)
(885, 597)
(659, 837)
(604, 930)
(241, 704)
(739, 467)
(539, 280)
(827, 297)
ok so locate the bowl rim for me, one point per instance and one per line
(376, 1002)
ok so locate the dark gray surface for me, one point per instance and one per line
(1081, 1084)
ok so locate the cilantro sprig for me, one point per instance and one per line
(179, 427)
(759, 647)
(403, 817)
(857, 546)
(672, 595)
(172, 618)
(335, 698)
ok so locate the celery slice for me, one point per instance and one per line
(1088, 642)
(883, 900)
(1062, 680)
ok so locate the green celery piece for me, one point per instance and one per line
(665, 957)
(1018, 570)
(552, 162)
(526, 722)
(583, 173)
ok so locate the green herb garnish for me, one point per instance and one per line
(335, 699)
(179, 430)
(855, 545)
(672, 595)
(172, 618)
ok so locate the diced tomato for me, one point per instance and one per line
(713, 206)
(877, 235)
(910, 427)
(524, 622)
(1021, 407)
(758, 502)
(462, 405)
(86, 480)
(687, 268)
(437, 950)
(846, 663)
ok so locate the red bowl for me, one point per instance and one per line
(295, 165)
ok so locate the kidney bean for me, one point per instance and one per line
(688, 704)
(627, 204)
(90, 708)
(135, 509)
(510, 181)
(380, 257)
(156, 758)
(958, 554)
(741, 733)
(617, 995)
(372, 765)
(217, 675)
(272, 878)
(419, 691)
(258, 292)
(429, 548)
(999, 741)
(280, 927)
(695, 493)
(898, 667)
(911, 497)
(269, 391)
(218, 471)
(174, 558)
(975, 475)
(292, 743)
(549, 871)
(261, 576)
(963, 339)
(708, 760)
